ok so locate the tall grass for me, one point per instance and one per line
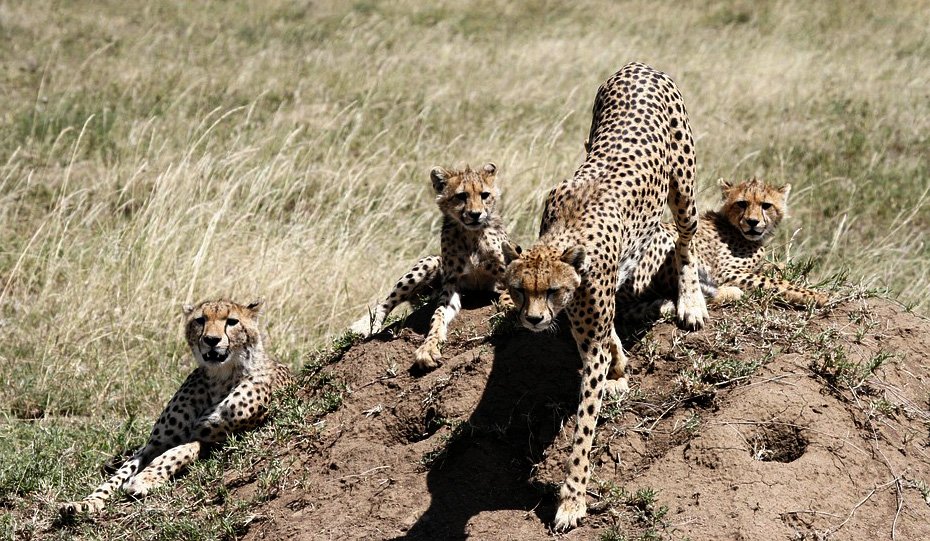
(162, 154)
(156, 153)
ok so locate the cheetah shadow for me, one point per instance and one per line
(490, 461)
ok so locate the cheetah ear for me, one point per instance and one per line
(188, 309)
(256, 306)
(725, 187)
(576, 257)
(784, 191)
(440, 177)
(489, 168)
(511, 251)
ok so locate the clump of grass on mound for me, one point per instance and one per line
(639, 509)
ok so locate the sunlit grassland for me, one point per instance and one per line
(156, 153)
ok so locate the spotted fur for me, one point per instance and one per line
(729, 247)
(228, 392)
(471, 239)
(594, 230)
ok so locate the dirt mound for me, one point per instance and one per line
(768, 424)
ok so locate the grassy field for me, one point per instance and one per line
(156, 153)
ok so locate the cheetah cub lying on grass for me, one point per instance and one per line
(730, 248)
(472, 234)
(229, 391)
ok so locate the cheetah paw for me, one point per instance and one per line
(71, 509)
(569, 513)
(692, 311)
(617, 387)
(427, 356)
(666, 308)
(821, 299)
(89, 506)
(727, 294)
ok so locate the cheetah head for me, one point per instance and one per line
(467, 196)
(220, 332)
(754, 207)
(542, 281)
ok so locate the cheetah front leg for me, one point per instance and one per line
(162, 468)
(427, 356)
(95, 502)
(423, 273)
(572, 504)
(164, 429)
(595, 342)
(691, 308)
(243, 408)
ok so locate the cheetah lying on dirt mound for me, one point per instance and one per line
(472, 235)
(729, 246)
(229, 391)
(594, 230)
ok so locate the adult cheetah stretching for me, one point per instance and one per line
(229, 391)
(729, 247)
(594, 229)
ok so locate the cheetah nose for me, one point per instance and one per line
(752, 223)
(211, 341)
(474, 216)
(534, 320)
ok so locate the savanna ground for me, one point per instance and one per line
(156, 153)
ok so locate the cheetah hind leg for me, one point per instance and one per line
(162, 468)
(423, 274)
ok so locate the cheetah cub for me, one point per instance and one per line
(471, 239)
(730, 248)
(229, 391)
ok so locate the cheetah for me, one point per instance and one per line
(729, 247)
(472, 257)
(229, 391)
(595, 227)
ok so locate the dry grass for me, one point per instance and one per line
(154, 153)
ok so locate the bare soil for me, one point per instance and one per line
(768, 424)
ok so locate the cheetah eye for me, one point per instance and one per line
(742, 204)
(485, 195)
(231, 322)
(766, 206)
(200, 320)
(462, 196)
